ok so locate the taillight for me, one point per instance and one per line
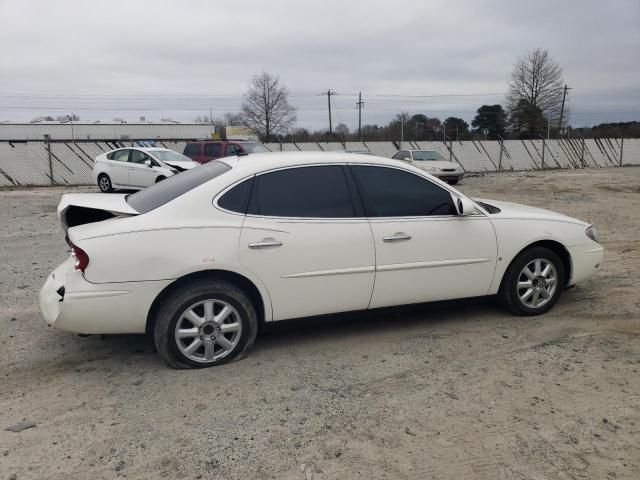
(82, 259)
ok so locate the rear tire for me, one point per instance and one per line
(204, 324)
(104, 183)
(160, 178)
(453, 182)
(533, 282)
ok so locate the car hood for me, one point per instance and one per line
(180, 165)
(516, 210)
(421, 164)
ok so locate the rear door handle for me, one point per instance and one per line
(265, 243)
(397, 237)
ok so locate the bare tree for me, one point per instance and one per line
(265, 106)
(537, 79)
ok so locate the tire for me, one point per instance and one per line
(176, 311)
(453, 182)
(515, 282)
(160, 178)
(104, 183)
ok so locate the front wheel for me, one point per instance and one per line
(104, 183)
(533, 282)
(204, 324)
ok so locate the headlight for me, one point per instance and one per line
(592, 233)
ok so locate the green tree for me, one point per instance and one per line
(456, 128)
(527, 120)
(493, 118)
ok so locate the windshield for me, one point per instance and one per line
(169, 156)
(423, 155)
(163, 192)
(254, 148)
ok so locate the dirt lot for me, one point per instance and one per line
(461, 390)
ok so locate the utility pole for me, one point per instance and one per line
(564, 96)
(401, 129)
(329, 93)
(360, 104)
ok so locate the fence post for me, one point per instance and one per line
(450, 150)
(48, 143)
(582, 154)
(543, 145)
(621, 149)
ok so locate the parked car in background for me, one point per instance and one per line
(432, 162)
(201, 259)
(134, 168)
(204, 151)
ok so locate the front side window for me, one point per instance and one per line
(253, 148)
(212, 150)
(305, 192)
(390, 192)
(231, 150)
(121, 155)
(138, 157)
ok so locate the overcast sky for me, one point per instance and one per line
(115, 58)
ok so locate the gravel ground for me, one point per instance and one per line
(457, 390)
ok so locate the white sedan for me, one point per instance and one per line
(201, 259)
(135, 168)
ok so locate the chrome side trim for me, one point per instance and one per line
(337, 271)
(431, 264)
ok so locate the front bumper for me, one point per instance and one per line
(585, 260)
(69, 302)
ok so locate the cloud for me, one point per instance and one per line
(148, 55)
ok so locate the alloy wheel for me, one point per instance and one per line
(537, 283)
(208, 331)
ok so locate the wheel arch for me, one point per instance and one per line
(556, 247)
(237, 279)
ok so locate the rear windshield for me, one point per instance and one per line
(163, 192)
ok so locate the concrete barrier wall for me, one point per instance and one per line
(34, 162)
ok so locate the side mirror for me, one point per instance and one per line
(464, 206)
(148, 163)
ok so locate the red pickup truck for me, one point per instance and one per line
(203, 151)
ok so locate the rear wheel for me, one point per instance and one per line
(204, 324)
(160, 178)
(453, 182)
(533, 282)
(104, 183)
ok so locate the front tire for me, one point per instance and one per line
(453, 182)
(104, 183)
(533, 282)
(205, 324)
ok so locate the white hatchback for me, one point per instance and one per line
(202, 258)
(135, 168)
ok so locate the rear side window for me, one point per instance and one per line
(389, 192)
(307, 192)
(163, 192)
(236, 199)
(212, 150)
(192, 149)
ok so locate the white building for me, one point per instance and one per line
(104, 131)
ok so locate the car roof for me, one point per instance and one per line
(260, 162)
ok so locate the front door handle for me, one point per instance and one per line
(397, 237)
(266, 242)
